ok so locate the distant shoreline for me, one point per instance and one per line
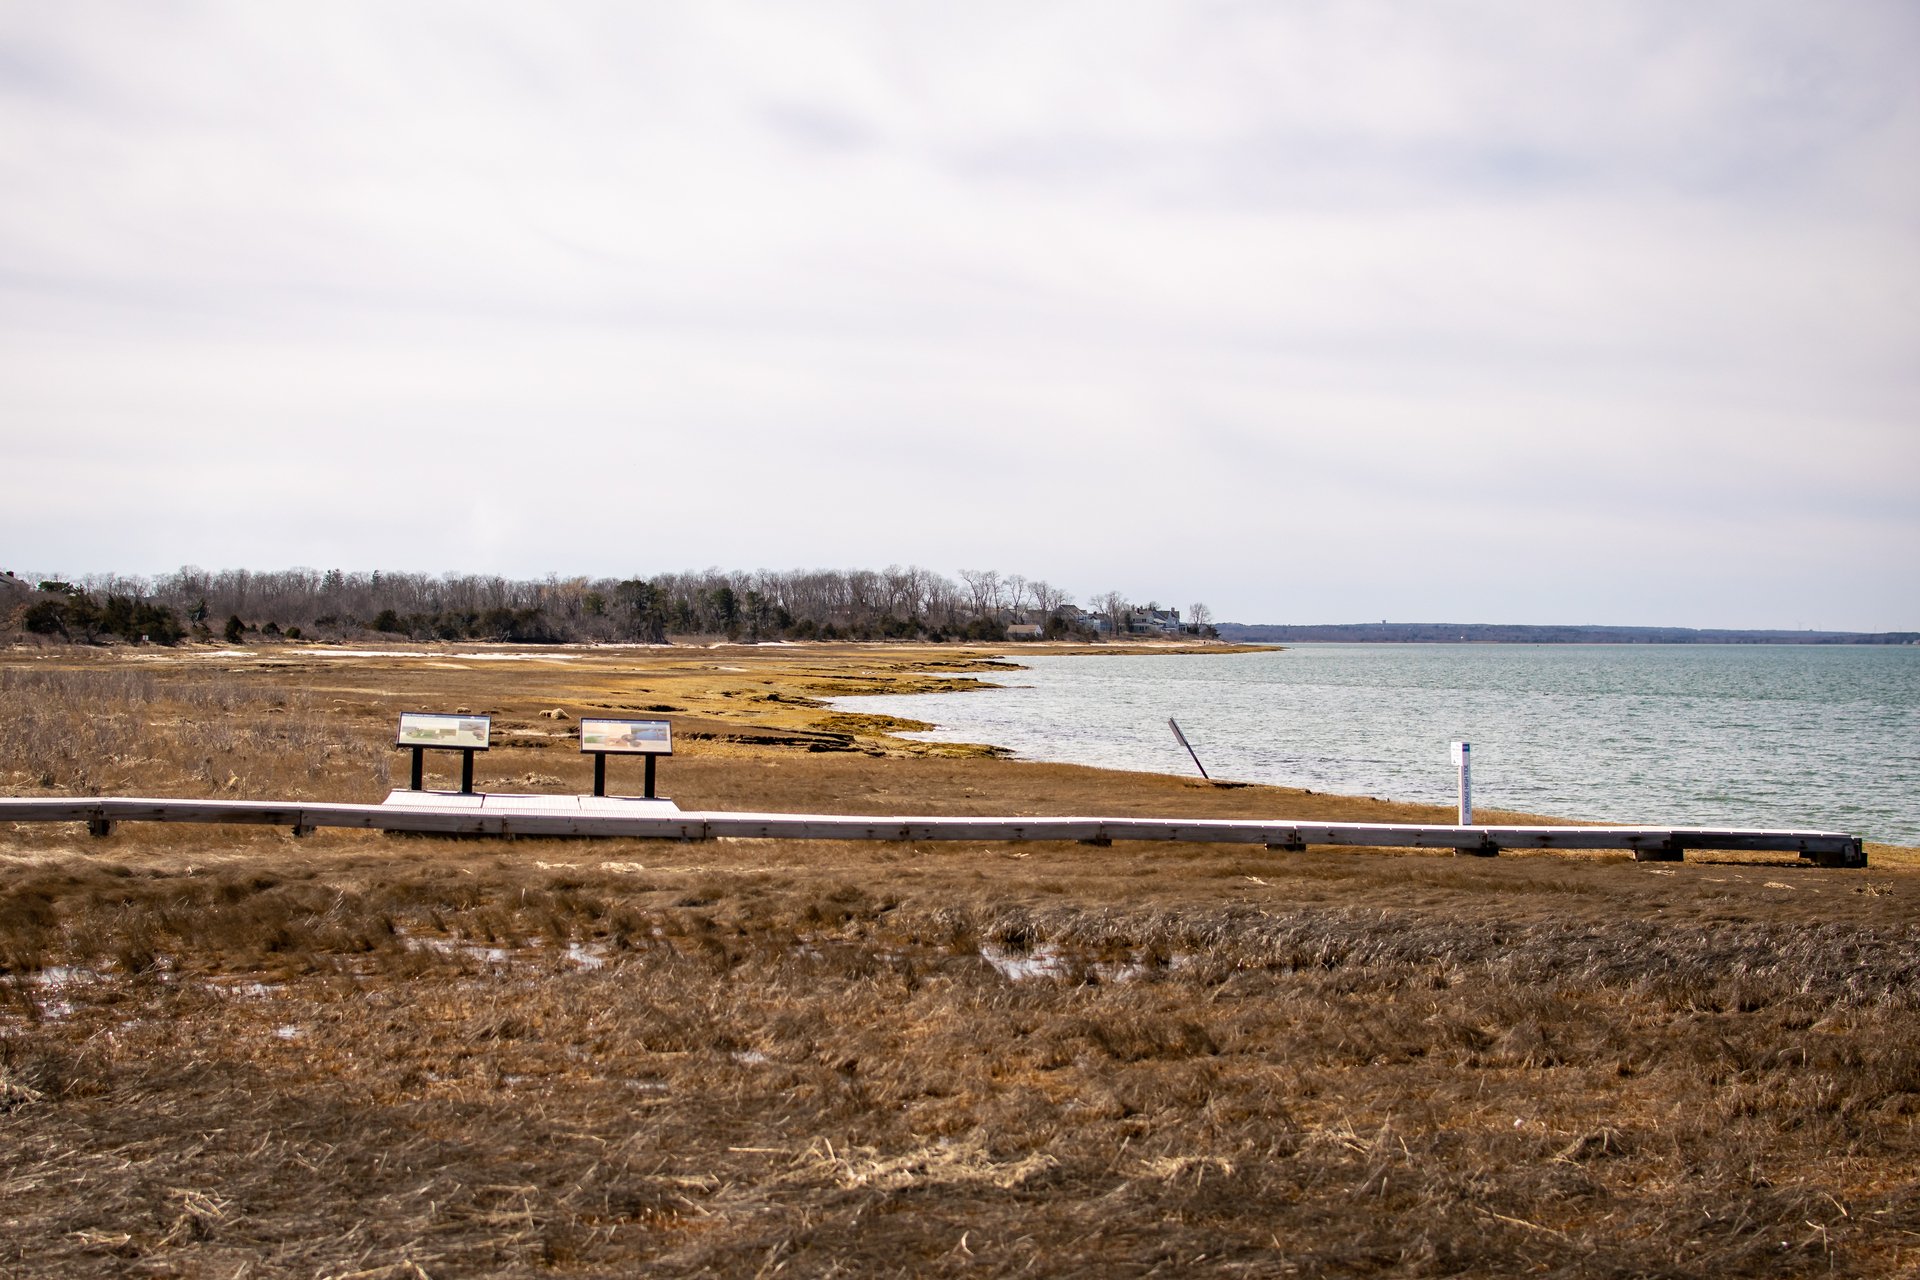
(1494, 633)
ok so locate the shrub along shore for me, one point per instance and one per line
(233, 1050)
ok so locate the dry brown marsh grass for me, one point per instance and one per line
(489, 1063)
(108, 728)
(231, 1052)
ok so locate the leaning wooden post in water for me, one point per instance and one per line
(1189, 746)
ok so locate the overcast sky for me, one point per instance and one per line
(1316, 312)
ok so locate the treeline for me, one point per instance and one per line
(305, 604)
(61, 608)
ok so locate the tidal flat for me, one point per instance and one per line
(235, 1052)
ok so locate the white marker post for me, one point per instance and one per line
(1463, 760)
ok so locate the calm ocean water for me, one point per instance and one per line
(1740, 735)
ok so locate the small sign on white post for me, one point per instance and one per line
(1463, 761)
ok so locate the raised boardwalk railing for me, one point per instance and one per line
(442, 813)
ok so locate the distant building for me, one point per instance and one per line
(1155, 621)
(1026, 631)
(1074, 618)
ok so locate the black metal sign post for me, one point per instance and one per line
(425, 731)
(602, 738)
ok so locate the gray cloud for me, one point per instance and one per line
(1319, 311)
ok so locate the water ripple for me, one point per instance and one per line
(1746, 735)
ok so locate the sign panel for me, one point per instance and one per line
(641, 737)
(423, 729)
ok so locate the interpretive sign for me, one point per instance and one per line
(602, 738)
(637, 737)
(426, 731)
(462, 733)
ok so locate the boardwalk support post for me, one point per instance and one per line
(1668, 850)
(1856, 856)
(99, 828)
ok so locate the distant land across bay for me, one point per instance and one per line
(1498, 633)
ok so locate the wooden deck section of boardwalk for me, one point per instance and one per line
(451, 813)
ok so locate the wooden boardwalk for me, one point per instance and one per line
(450, 813)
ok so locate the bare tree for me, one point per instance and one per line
(901, 589)
(1017, 588)
(1115, 608)
(1047, 598)
(1199, 615)
(984, 584)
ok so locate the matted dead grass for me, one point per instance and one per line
(232, 1052)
